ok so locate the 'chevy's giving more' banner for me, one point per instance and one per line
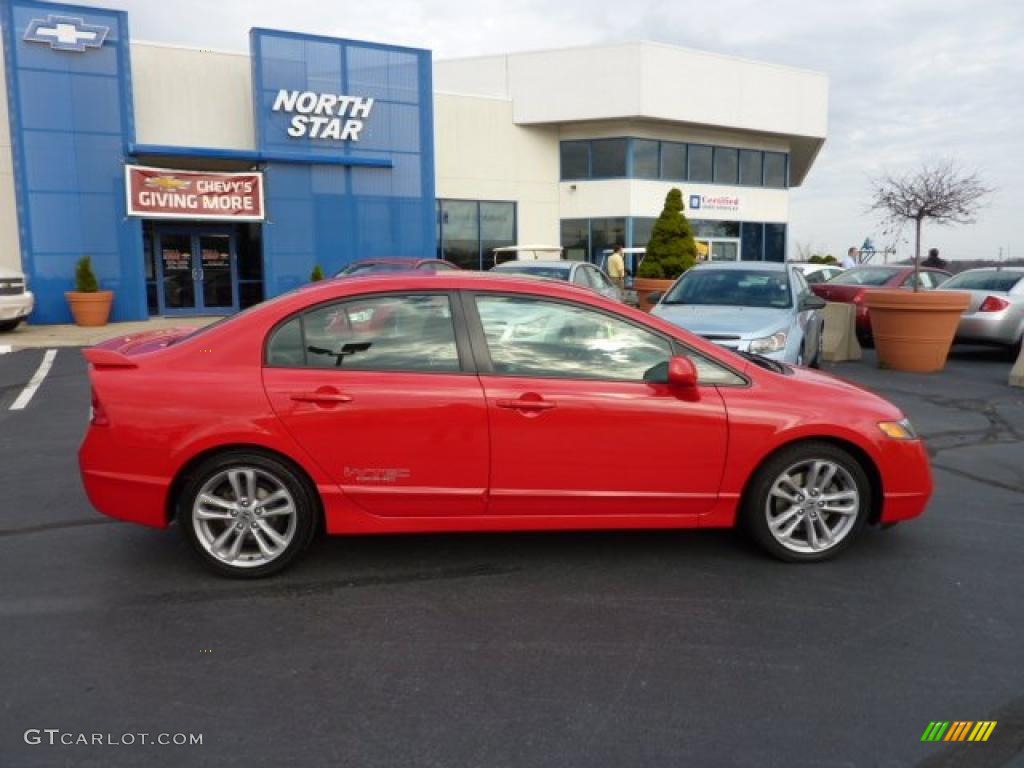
(162, 193)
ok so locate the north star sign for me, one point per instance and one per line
(323, 115)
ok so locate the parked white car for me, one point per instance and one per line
(16, 301)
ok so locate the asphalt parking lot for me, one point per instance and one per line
(593, 649)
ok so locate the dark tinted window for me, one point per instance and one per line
(864, 276)
(732, 287)
(551, 273)
(575, 160)
(701, 168)
(726, 165)
(985, 281)
(380, 333)
(576, 238)
(608, 158)
(774, 242)
(775, 169)
(673, 161)
(645, 159)
(751, 167)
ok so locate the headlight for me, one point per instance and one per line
(774, 343)
(898, 430)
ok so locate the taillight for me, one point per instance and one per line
(993, 304)
(97, 414)
(858, 297)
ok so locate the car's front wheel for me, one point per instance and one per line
(247, 515)
(9, 325)
(807, 502)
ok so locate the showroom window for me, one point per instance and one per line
(774, 242)
(575, 159)
(605, 234)
(673, 161)
(608, 158)
(726, 165)
(575, 239)
(751, 171)
(645, 158)
(468, 231)
(775, 171)
(700, 163)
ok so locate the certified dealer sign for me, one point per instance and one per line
(323, 115)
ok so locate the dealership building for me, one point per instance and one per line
(201, 182)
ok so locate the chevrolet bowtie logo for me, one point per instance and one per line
(66, 33)
(167, 182)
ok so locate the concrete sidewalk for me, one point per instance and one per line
(35, 336)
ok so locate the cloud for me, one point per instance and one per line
(910, 79)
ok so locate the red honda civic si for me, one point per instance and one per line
(459, 401)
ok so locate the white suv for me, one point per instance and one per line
(16, 301)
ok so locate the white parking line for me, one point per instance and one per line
(6, 349)
(37, 378)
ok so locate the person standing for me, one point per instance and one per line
(850, 259)
(617, 268)
(933, 259)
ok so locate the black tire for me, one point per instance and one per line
(297, 528)
(816, 362)
(9, 325)
(758, 502)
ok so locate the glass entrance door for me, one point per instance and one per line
(197, 271)
(722, 249)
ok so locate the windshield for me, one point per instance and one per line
(985, 281)
(732, 288)
(863, 276)
(554, 273)
(379, 266)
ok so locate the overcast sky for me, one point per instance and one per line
(909, 79)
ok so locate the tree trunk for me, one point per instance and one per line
(917, 254)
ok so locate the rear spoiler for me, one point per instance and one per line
(108, 358)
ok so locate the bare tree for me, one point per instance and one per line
(940, 191)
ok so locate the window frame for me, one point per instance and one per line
(485, 366)
(463, 345)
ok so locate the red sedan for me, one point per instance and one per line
(479, 403)
(852, 285)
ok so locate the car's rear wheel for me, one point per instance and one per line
(247, 515)
(807, 502)
(9, 325)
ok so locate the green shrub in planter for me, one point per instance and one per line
(672, 249)
(85, 278)
(318, 274)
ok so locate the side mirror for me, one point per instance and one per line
(682, 373)
(655, 296)
(812, 302)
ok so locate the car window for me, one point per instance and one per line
(732, 287)
(816, 277)
(535, 337)
(552, 273)
(864, 276)
(922, 280)
(801, 282)
(379, 333)
(598, 279)
(580, 277)
(436, 266)
(1000, 281)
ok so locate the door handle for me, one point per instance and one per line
(320, 397)
(525, 405)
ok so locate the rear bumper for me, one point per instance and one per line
(17, 307)
(907, 483)
(989, 327)
(136, 498)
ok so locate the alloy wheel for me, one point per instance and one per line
(244, 517)
(812, 506)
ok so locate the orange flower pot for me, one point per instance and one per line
(90, 309)
(914, 331)
(646, 285)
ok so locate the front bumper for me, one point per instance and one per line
(907, 483)
(17, 307)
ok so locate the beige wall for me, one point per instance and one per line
(189, 97)
(10, 251)
(482, 155)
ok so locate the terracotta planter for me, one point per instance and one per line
(90, 309)
(645, 285)
(913, 331)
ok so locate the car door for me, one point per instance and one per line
(378, 392)
(575, 428)
(808, 321)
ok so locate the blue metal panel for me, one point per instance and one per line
(351, 199)
(71, 121)
(215, 153)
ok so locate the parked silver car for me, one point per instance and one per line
(760, 307)
(577, 272)
(996, 311)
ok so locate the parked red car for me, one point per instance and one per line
(851, 286)
(479, 403)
